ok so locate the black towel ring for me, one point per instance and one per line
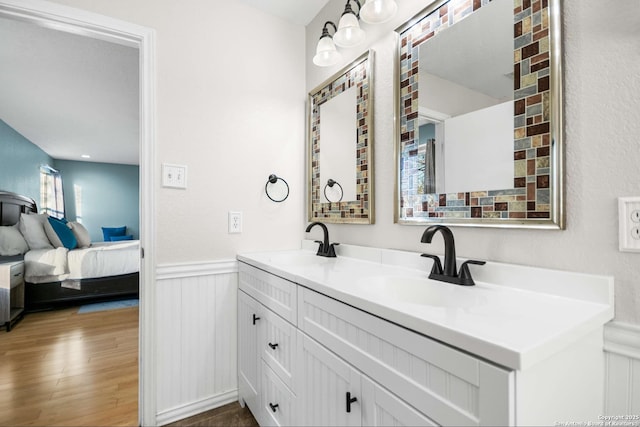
(272, 180)
(330, 183)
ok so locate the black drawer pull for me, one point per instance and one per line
(255, 318)
(350, 400)
(273, 407)
(273, 346)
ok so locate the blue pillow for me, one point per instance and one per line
(119, 238)
(64, 233)
(107, 232)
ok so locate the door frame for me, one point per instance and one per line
(88, 24)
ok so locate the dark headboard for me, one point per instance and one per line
(12, 205)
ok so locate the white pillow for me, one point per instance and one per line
(11, 241)
(32, 228)
(52, 235)
(81, 233)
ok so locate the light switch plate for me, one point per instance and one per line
(174, 176)
(629, 224)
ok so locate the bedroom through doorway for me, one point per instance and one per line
(43, 16)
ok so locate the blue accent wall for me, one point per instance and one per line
(109, 195)
(20, 161)
(426, 132)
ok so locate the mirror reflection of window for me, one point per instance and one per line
(338, 133)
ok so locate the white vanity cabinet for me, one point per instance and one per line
(370, 333)
(325, 350)
(327, 366)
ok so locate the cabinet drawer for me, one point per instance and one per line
(17, 274)
(279, 347)
(453, 387)
(273, 292)
(277, 404)
(11, 274)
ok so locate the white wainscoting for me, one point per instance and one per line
(197, 344)
(196, 330)
(622, 374)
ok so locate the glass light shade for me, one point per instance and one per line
(378, 11)
(349, 33)
(326, 53)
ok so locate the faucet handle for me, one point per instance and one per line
(465, 278)
(331, 251)
(437, 266)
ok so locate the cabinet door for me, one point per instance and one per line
(250, 314)
(381, 408)
(328, 388)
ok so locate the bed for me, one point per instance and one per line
(58, 276)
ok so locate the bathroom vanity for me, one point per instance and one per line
(367, 339)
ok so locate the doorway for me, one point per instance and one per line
(96, 26)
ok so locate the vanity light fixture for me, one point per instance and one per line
(349, 33)
(378, 11)
(326, 52)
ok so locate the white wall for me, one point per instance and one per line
(602, 98)
(233, 112)
(478, 150)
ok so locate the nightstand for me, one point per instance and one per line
(11, 293)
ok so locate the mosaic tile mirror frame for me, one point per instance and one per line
(536, 199)
(357, 78)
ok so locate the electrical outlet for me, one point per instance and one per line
(629, 215)
(235, 222)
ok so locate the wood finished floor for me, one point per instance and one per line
(61, 368)
(68, 369)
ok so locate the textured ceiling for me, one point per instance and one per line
(70, 95)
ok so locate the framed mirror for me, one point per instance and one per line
(340, 146)
(479, 115)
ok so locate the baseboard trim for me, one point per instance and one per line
(195, 408)
(623, 339)
(192, 269)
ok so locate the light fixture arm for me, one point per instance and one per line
(325, 30)
(348, 9)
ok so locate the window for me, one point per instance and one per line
(51, 197)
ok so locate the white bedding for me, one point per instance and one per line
(102, 259)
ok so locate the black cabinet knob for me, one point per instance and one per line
(273, 346)
(273, 407)
(255, 318)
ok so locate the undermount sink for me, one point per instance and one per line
(421, 291)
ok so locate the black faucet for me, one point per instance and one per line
(449, 274)
(325, 249)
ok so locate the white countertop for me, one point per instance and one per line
(515, 316)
